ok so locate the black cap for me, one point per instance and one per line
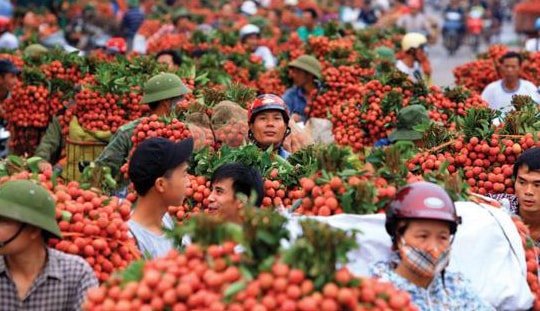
(154, 157)
(6, 66)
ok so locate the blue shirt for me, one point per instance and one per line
(131, 22)
(383, 142)
(296, 101)
(455, 294)
(283, 153)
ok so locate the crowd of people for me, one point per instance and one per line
(421, 220)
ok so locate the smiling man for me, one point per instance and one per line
(268, 118)
(232, 179)
(526, 201)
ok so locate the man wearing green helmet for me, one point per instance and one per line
(162, 93)
(305, 71)
(33, 276)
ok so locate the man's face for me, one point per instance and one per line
(223, 198)
(251, 41)
(168, 60)
(174, 186)
(8, 81)
(510, 69)
(269, 128)
(527, 188)
(308, 19)
(9, 228)
(299, 76)
(182, 23)
(227, 10)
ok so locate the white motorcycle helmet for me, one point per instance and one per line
(249, 8)
(413, 40)
(249, 29)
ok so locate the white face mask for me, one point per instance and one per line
(424, 263)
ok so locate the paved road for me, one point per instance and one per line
(443, 64)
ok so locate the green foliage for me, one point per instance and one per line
(478, 123)
(263, 232)
(319, 249)
(524, 119)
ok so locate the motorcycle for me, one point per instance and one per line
(475, 28)
(452, 27)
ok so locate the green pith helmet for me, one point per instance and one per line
(133, 3)
(27, 202)
(309, 64)
(407, 119)
(163, 86)
(181, 12)
(35, 50)
(385, 53)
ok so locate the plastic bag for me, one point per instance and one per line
(78, 133)
(230, 124)
(202, 136)
(321, 131)
(298, 138)
(199, 119)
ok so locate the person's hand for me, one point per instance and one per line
(426, 67)
(44, 166)
(296, 117)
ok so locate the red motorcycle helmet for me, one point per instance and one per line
(421, 200)
(5, 23)
(266, 102)
(116, 45)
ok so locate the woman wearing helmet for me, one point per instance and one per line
(249, 36)
(422, 222)
(414, 62)
(268, 118)
(533, 44)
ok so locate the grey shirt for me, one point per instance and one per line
(150, 244)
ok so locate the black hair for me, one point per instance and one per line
(245, 179)
(313, 12)
(47, 236)
(511, 54)
(198, 53)
(278, 12)
(154, 105)
(176, 57)
(144, 187)
(401, 227)
(530, 158)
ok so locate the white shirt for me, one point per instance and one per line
(532, 45)
(349, 14)
(401, 66)
(268, 59)
(499, 98)
(9, 41)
